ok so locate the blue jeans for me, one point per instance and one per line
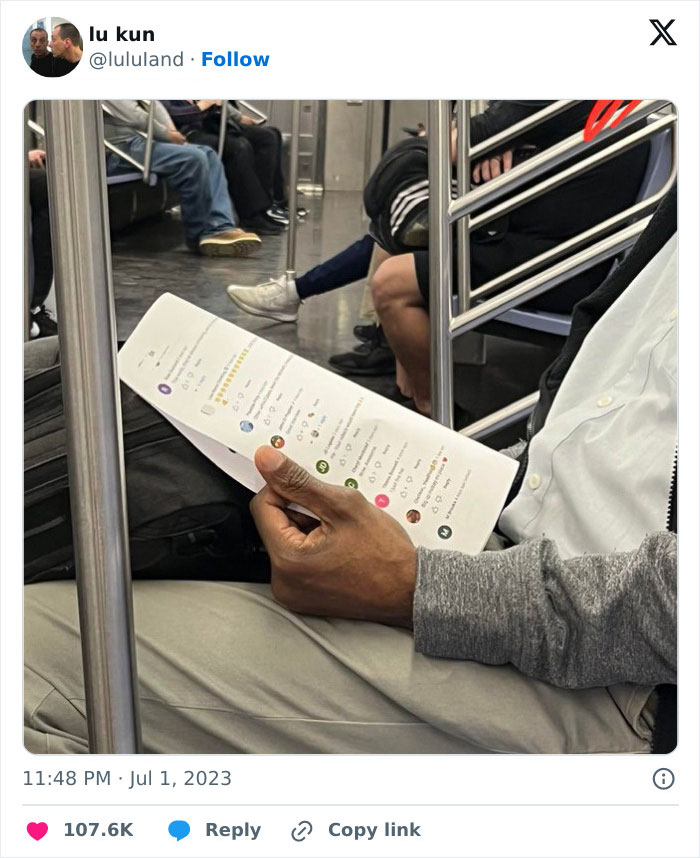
(197, 174)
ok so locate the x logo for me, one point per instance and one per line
(662, 31)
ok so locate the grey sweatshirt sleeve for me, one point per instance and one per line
(162, 118)
(128, 114)
(584, 622)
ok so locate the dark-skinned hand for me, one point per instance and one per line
(354, 562)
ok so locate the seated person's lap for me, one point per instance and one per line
(224, 668)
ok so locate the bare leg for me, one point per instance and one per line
(403, 382)
(404, 319)
(368, 312)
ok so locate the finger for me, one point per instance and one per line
(485, 171)
(476, 174)
(304, 522)
(507, 160)
(495, 164)
(292, 482)
(276, 529)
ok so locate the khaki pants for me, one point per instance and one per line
(224, 669)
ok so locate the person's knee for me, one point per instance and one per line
(238, 145)
(393, 283)
(210, 154)
(197, 165)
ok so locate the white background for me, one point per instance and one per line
(556, 806)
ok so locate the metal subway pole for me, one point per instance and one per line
(440, 183)
(369, 142)
(148, 151)
(293, 180)
(463, 187)
(29, 272)
(222, 128)
(78, 207)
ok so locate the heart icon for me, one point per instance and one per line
(37, 830)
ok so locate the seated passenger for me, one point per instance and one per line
(41, 323)
(208, 216)
(250, 156)
(552, 643)
(400, 288)
(530, 230)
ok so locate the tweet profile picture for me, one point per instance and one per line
(52, 47)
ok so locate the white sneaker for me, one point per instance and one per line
(276, 299)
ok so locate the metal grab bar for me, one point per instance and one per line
(110, 147)
(440, 257)
(552, 157)
(548, 279)
(222, 127)
(640, 209)
(251, 109)
(293, 181)
(149, 142)
(574, 170)
(78, 207)
(443, 212)
(463, 227)
(526, 124)
(502, 418)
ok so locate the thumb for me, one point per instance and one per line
(291, 482)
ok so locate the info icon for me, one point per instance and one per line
(664, 779)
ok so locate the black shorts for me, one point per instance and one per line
(487, 262)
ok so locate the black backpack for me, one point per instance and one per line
(396, 197)
(187, 519)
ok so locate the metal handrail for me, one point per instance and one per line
(502, 418)
(571, 172)
(551, 157)
(440, 260)
(640, 209)
(111, 147)
(149, 142)
(87, 337)
(548, 279)
(530, 122)
(222, 127)
(443, 212)
(293, 181)
(252, 109)
(463, 226)
(37, 129)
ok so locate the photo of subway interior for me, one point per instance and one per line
(505, 268)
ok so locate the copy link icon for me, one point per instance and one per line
(302, 830)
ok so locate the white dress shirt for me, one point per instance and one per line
(612, 426)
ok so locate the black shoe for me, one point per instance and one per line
(278, 214)
(365, 333)
(282, 209)
(395, 395)
(261, 225)
(367, 359)
(281, 225)
(42, 319)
